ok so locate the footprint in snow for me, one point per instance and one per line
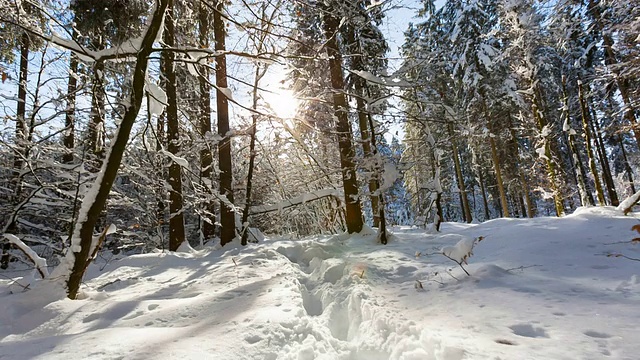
(528, 330)
(596, 334)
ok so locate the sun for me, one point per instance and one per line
(282, 103)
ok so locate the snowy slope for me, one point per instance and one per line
(539, 289)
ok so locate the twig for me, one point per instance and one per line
(236, 267)
(522, 267)
(622, 256)
(459, 263)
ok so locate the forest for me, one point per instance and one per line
(137, 125)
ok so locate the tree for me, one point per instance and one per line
(343, 128)
(174, 175)
(227, 212)
(72, 268)
(206, 156)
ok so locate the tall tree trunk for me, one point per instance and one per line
(160, 143)
(21, 115)
(515, 151)
(587, 141)
(206, 156)
(612, 64)
(365, 133)
(96, 131)
(382, 221)
(551, 167)
(227, 214)
(602, 154)
(82, 242)
(340, 106)
(176, 216)
(627, 167)
(485, 202)
(496, 168)
(466, 210)
(70, 111)
(585, 196)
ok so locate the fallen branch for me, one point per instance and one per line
(40, 263)
(298, 200)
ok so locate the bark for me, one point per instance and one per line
(585, 196)
(530, 209)
(551, 167)
(382, 222)
(587, 141)
(496, 168)
(252, 157)
(602, 155)
(627, 167)
(466, 210)
(96, 121)
(206, 156)
(21, 114)
(70, 111)
(160, 187)
(92, 205)
(176, 216)
(365, 134)
(612, 63)
(227, 214)
(485, 203)
(352, 203)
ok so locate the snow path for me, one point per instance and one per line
(540, 289)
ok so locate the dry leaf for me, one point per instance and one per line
(636, 228)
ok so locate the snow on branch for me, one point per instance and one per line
(298, 200)
(40, 263)
(629, 203)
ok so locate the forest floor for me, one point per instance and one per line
(540, 288)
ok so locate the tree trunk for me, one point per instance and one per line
(530, 209)
(70, 111)
(96, 122)
(602, 155)
(587, 141)
(227, 214)
(382, 222)
(551, 168)
(349, 180)
(206, 157)
(176, 216)
(496, 168)
(82, 241)
(612, 64)
(252, 156)
(365, 134)
(585, 196)
(21, 114)
(466, 210)
(485, 202)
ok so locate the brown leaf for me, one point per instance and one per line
(4, 77)
(634, 227)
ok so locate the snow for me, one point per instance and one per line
(227, 92)
(156, 97)
(40, 263)
(628, 202)
(539, 288)
(182, 162)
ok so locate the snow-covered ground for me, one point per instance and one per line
(539, 289)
